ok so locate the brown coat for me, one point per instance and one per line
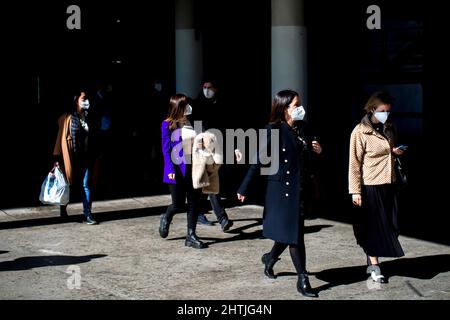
(371, 157)
(63, 145)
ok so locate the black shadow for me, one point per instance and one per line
(420, 268)
(100, 217)
(27, 263)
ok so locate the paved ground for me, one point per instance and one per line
(124, 258)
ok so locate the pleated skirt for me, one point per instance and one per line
(375, 223)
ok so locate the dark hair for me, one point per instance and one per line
(177, 107)
(280, 103)
(75, 98)
(378, 98)
(212, 81)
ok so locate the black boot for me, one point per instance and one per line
(268, 265)
(304, 287)
(164, 224)
(193, 241)
(225, 223)
(63, 212)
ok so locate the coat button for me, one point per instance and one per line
(285, 161)
(287, 194)
(287, 183)
(284, 150)
(288, 172)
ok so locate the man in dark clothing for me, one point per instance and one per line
(207, 108)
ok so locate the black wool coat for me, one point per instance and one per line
(282, 219)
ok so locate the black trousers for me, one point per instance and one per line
(181, 191)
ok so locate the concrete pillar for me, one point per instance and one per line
(289, 47)
(188, 50)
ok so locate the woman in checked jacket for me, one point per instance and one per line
(371, 183)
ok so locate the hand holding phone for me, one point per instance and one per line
(402, 147)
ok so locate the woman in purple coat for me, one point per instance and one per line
(177, 137)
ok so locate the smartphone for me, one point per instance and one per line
(402, 147)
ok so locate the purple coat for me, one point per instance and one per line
(171, 144)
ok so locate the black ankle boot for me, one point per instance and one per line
(268, 265)
(63, 212)
(225, 223)
(193, 241)
(164, 225)
(304, 287)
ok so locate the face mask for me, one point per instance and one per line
(85, 104)
(158, 87)
(188, 110)
(209, 94)
(298, 113)
(382, 116)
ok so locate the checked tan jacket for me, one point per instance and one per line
(371, 157)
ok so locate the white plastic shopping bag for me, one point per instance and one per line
(55, 190)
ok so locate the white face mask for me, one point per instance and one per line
(381, 116)
(209, 94)
(158, 87)
(188, 110)
(298, 113)
(85, 104)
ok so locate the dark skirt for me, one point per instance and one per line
(375, 224)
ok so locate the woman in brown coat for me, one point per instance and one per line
(74, 147)
(371, 183)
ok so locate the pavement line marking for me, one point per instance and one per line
(417, 292)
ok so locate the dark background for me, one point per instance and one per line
(345, 62)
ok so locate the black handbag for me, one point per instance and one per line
(402, 180)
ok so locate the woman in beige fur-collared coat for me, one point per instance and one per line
(371, 183)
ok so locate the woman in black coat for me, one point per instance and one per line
(282, 219)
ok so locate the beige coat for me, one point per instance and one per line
(371, 157)
(207, 157)
(64, 146)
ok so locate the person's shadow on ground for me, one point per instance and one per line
(425, 268)
(26, 263)
(239, 233)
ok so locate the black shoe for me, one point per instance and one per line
(304, 287)
(90, 220)
(193, 241)
(164, 224)
(202, 219)
(225, 223)
(268, 265)
(63, 212)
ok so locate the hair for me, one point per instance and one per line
(280, 103)
(210, 80)
(75, 97)
(177, 107)
(378, 98)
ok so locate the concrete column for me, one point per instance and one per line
(289, 47)
(188, 50)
